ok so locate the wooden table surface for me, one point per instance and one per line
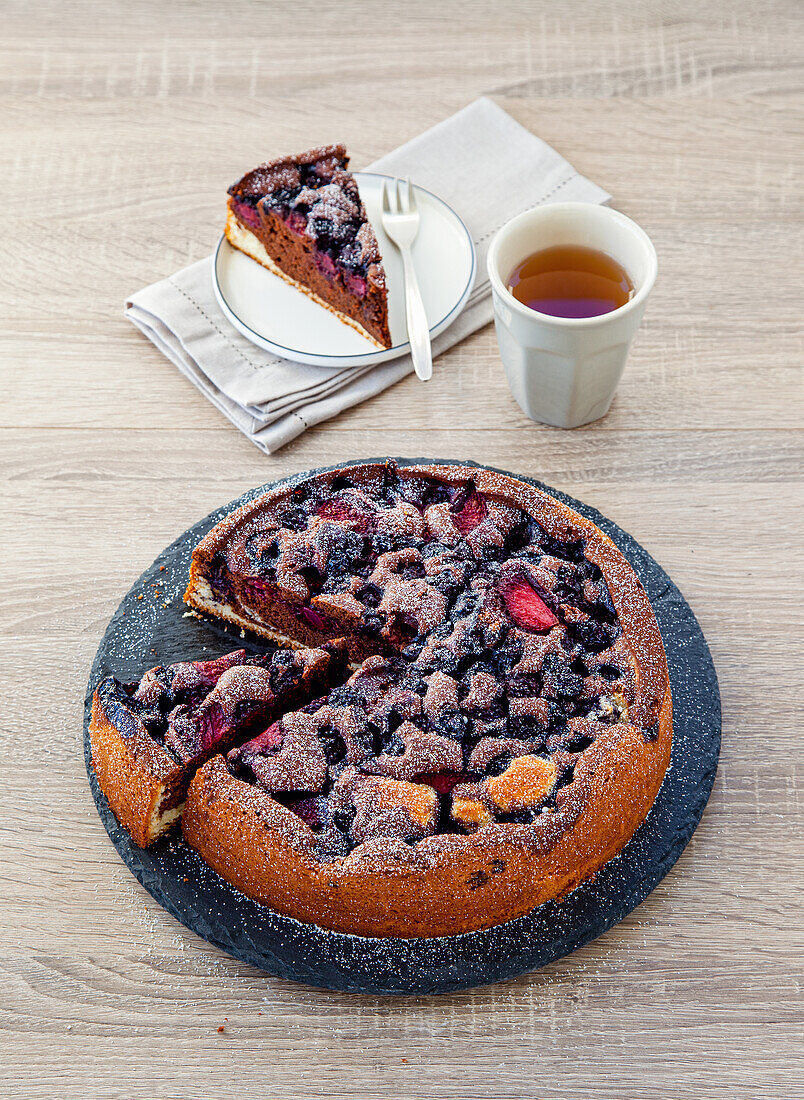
(122, 123)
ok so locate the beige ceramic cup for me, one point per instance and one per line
(565, 370)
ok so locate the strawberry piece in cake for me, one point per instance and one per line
(525, 605)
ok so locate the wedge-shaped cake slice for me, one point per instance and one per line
(302, 217)
(149, 737)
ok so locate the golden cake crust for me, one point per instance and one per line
(137, 776)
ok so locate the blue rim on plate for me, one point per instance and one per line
(152, 630)
(377, 355)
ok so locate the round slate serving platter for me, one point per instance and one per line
(150, 627)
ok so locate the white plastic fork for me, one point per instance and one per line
(402, 225)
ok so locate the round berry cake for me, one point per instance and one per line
(505, 730)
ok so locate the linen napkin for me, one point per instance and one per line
(480, 161)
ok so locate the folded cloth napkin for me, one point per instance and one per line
(480, 161)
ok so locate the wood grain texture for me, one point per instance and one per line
(120, 124)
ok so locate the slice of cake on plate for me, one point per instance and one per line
(149, 737)
(302, 218)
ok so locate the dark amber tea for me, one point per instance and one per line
(570, 281)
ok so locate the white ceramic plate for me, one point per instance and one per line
(275, 316)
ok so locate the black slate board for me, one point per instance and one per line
(144, 632)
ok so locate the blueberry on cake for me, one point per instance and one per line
(505, 732)
(149, 737)
(302, 217)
